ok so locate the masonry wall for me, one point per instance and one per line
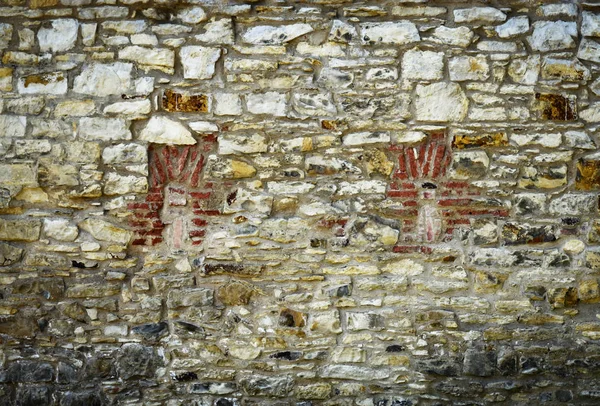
(325, 202)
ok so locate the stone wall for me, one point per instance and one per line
(319, 202)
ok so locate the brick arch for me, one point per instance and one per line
(176, 183)
(434, 206)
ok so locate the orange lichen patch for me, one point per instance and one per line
(43, 79)
(329, 124)
(462, 141)
(173, 101)
(556, 107)
(588, 175)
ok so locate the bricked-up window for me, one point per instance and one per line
(177, 204)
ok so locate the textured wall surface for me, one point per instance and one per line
(324, 202)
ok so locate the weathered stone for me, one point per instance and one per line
(572, 204)
(47, 83)
(357, 373)
(20, 230)
(190, 297)
(552, 36)
(60, 229)
(589, 50)
(136, 360)
(525, 71)
(488, 15)
(468, 68)
(229, 168)
(263, 385)
(59, 36)
(199, 62)
(271, 103)
(104, 129)
(126, 26)
(274, 35)
(154, 58)
(9, 254)
(235, 293)
(217, 31)
(29, 371)
(513, 27)
(460, 36)
(479, 362)
(131, 110)
(242, 143)
(104, 231)
(312, 105)
(590, 24)
(192, 15)
(162, 130)
(115, 184)
(564, 69)
(341, 32)
(422, 65)
(389, 32)
(227, 104)
(104, 79)
(443, 102)
(12, 126)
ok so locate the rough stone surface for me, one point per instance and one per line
(308, 203)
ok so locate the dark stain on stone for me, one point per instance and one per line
(185, 377)
(556, 107)
(173, 101)
(231, 197)
(233, 269)
(291, 318)
(287, 355)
